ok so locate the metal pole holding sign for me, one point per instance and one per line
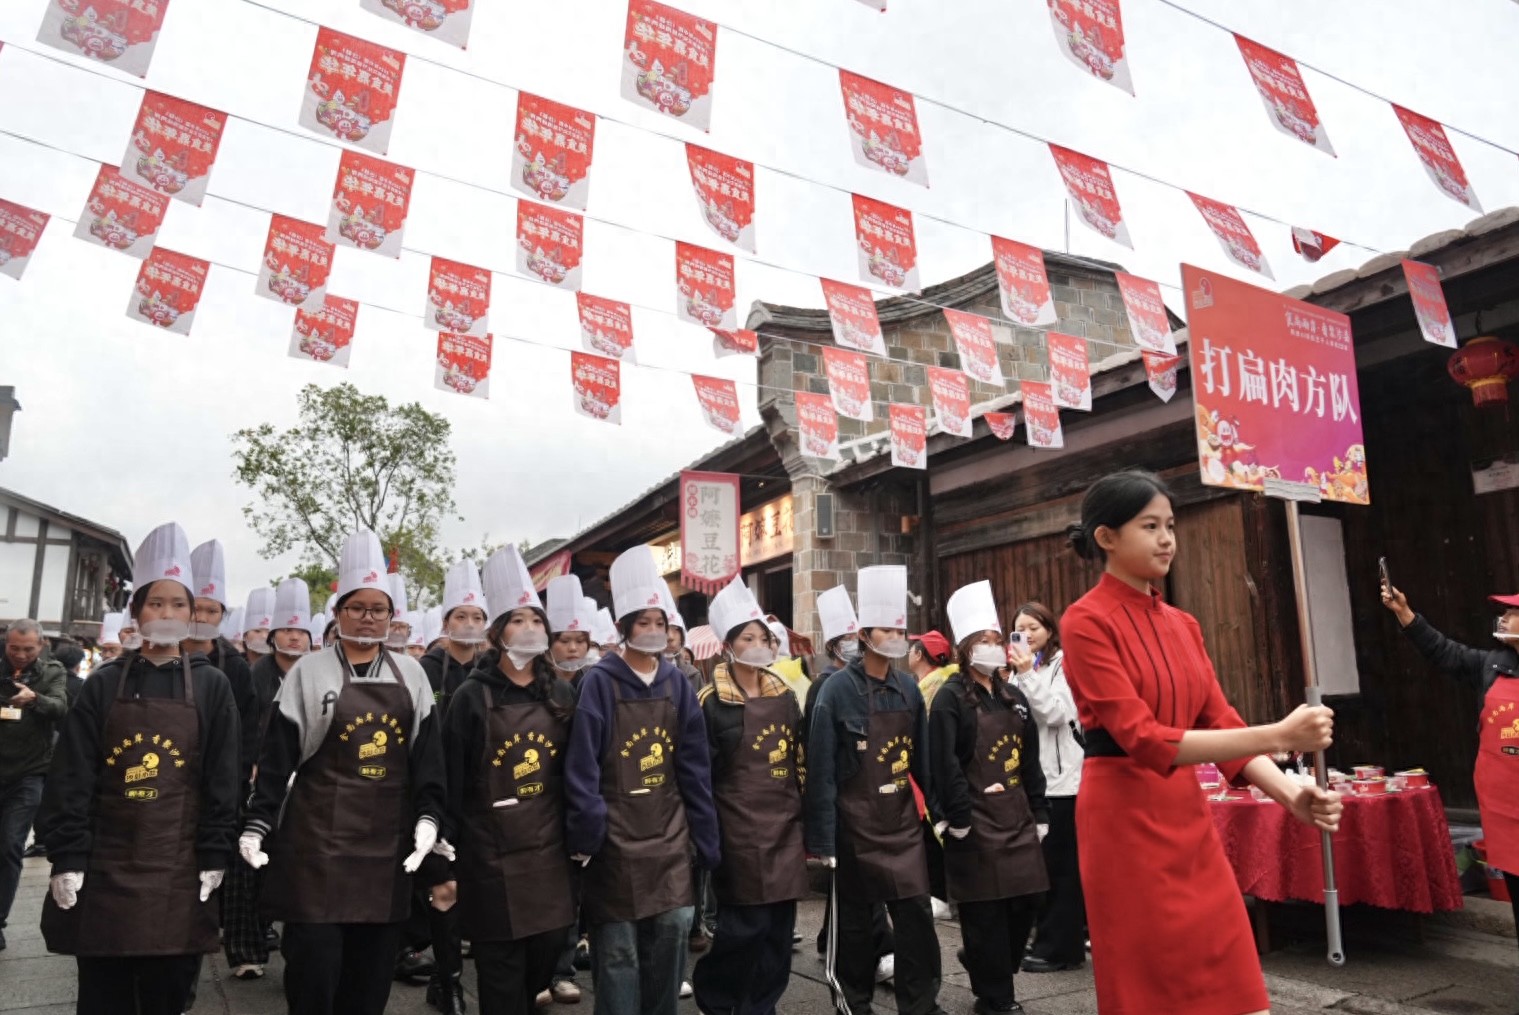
(831, 956)
(1292, 494)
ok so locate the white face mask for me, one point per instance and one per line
(165, 633)
(892, 648)
(526, 647)
(257, 644)
(204, 632)
(760, 655)
(592, 657)
(848, 650)
(392, 641)
(987, 658)
(573, 665)
(467, 634)
(365, 641)
(131, 641)
(650, 643)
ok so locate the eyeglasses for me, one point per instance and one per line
(354, 611)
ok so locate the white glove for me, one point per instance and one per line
(959, 833)
(583, 859)
(830, 861)
(940, 827)
(65, 888)
(424, 839)
(210, 881)
(444, 849)
(1043, 830)
(248, 847)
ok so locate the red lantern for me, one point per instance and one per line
(1486, 365)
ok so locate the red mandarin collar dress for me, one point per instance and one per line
(1170, 935)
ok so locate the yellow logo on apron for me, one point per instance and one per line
(376, 746)
(372, 771)
(147, 770)
(528, 766)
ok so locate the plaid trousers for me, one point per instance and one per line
(242, 928)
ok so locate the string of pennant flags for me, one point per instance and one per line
(669, 66)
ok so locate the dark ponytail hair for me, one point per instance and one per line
(544, 678)
(1113, 501)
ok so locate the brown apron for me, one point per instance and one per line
(644, 866)
(141, 893)
(880, 842)
(347, 823)
(1001, 857)
(513, 867)
(759, 811)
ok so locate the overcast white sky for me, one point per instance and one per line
(129, 426)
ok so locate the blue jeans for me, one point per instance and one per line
(19, 801)
(637, 967)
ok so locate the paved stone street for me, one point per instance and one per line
(1453, 972)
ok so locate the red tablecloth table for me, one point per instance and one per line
(1391, 851)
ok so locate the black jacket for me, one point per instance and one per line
(267, 677)
(65, 823)
(1477, 667)
(26, 744)
(725, 728)
(952, 741)
(445, 673)
(464, 726)
(226, 658)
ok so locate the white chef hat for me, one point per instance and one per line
(461, 587)
(782, 637)
(972, 609)
(292, 605)
(259, 613)
(836, 614)
(605, 631)
(432, 622)
(418, 634)
(362, 566)
(110, 629)
(883, 596)
(733, 606)
(397, 588)
(636, 584)
(568, 608)
(317, 628)
(232, 624)
(508, 586)
(330, 605)
(165, 553)
(208, 571)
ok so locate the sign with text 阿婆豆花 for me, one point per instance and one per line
(1274, 390)
(709, 508)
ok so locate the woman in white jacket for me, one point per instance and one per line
(1038, 668)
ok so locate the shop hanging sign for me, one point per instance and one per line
(1160, 370)
(445, 20)
(297, 261)
(369, 204)
(325, 335)
(597, 383)
(951, 397)
(883, 128)
(117, 33)
(709, 509)
(606, 327)
(1002, 424)
(766, 532)
(1023, 283)
(1274, 389)
(669, 59)
(458, 298)
(848, 376)
(1437, 155)
(121, 215)
(817, 426)
(704, 286)
(20, 229)
(1146, 310)
(977, 345)
(549, 242)
(1070, 371)
(852, 314)
(551, 159)
(351, 90)
(738, 342)
(168, 289)
(909, 436)
(1232, 233)
(1286, 97)
(1041, 416)
(724, 188)
(885, 246)
(718, 398)
(173, 146)
(1428, 298)
(464, 365)
(1090, 186)
(1090, 34)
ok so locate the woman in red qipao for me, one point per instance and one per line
(1168, 924)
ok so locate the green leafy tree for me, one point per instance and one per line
(353, 461)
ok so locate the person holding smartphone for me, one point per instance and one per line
(1494, 672)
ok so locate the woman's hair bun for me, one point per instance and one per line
(1081, 541)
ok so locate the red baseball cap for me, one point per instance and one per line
(1512, 602)
(934, 643)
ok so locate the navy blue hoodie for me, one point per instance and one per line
(590, 739)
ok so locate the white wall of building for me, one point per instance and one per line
(18, 562)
